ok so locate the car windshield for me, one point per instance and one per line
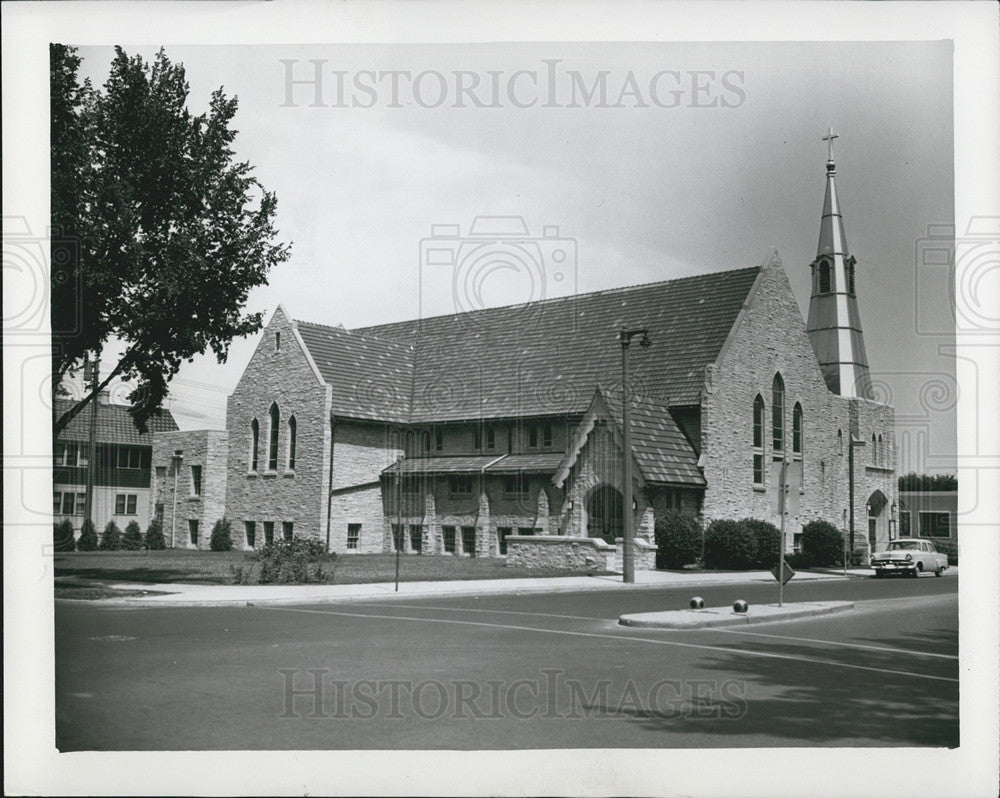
(904, 545)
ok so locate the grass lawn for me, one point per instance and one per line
(214, 567)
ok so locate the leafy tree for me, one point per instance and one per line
(154, 536)
(88, 537)
(132, 540)
(111, 540)
(928, 482)
(159, 233)
(222, 539)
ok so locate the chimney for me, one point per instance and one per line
(104, 397)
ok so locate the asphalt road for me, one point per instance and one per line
(508, 672)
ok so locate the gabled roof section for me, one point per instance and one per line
(371, 378)
(659, 449)
(544, 358)
(114, 425)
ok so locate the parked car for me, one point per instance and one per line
(910, 557)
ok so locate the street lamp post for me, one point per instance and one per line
(628, 515)
(399, 514)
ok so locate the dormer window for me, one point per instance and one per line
(824, 277)
(850, 276)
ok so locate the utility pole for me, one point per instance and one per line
(94, 369)
(399, 514)
(782, 500)
(628, 515)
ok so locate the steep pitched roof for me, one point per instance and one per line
(540, 358)
(114, 425)
(370, 377)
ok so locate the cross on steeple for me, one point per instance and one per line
(828, 138)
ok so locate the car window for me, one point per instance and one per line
(904, 545)
(930, 546)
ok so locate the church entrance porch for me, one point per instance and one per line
(878, 521)
(605, 517)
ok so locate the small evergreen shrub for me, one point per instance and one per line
(729, 544)
(799, 559)
(823, 543)
(154, 536)
(132, 539)
(678, 539)
(222, 539)
(111, 540)
(62, 536)
(286, 562)
(88, 537)
(767, 541)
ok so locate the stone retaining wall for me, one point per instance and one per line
(556, 551)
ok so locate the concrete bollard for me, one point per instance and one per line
(697, 603)
(740, 606)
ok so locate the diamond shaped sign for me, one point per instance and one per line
(789, 573)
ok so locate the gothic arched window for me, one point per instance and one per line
(824, 277)
(254, 443)
(291, 443)
(758, 440)
(797, 429)
(272, 448)
(778, 416)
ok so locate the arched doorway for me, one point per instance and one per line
(878, 521)
(604, 514)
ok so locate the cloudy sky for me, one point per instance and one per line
(696, 158)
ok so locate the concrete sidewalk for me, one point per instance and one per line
(712, 617)
(189, 595)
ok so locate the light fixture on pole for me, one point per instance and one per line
(628, 514)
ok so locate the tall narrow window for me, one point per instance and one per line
(797, 429)
(427, 440)
(824, 277)
(874, 455)
(291, 443)
(438, 439)
(196, 480)
(268, 532)
(840, 442)
(277, 341)
(881, 452)
(272, 447)
(778, 416)
(491, 438)
(477, 438)
(250, 530)
(532, 436)
(287, 528)
(850, 278)
(254, 443)
(758, 440)
(546, 435)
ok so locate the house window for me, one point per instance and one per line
(250, 530)
(416, 537)
(159, 512)
(935, 525)
(438, 439)
(469, 540)
(547, 435)
(460, 485)
(515, 485)
(287, 528)
(353, 535)
(797, 542)
(69, 454)
(758, 440)
(477, 438)
(491, 438)
(193, 530)
(268, 532)
(824, 277)
(272, 446)
(129, 457)
(503, 532)
(427, 440)
(778, 416)
(797, 430)
(68, 503)
(125, 503)
(291, 443)
(448, 533)
(254, 443)
(411, 483)
(196, 480)
(526, 530)
(533, 436)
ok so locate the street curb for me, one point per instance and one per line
(725, 616)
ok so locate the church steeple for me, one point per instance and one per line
(834, 325)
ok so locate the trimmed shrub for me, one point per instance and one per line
(62, 536)
(767, 539)
(798, 560)
(132, 539)
(729, 544)
(823, 544)
(111, 540)
(88, 537)
(947, 546)
(154, 536)
(678, 539)
(222, 539)
(286, 562)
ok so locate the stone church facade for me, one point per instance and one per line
(462, 434)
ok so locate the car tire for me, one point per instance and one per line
(939, 571)
(879, 574)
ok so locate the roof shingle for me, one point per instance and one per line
(114, 424)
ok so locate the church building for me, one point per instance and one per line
(499, 431)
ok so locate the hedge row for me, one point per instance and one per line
(133, 539)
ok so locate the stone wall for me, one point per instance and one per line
(282, 375)
(562, 552)
(770, 339)
(209, 450)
